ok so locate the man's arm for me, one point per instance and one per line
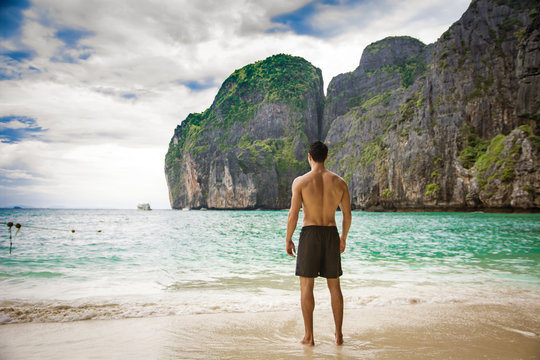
(345, 206)
(292, 219)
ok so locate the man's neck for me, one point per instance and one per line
(317, 166)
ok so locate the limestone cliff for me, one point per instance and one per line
(245, 150)
(447, 126)
(453, 125)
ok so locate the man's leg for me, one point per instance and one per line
(337, 307)
(308, 304)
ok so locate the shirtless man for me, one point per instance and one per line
(319, 192)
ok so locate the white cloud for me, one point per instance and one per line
(15, 174)
(109, 118)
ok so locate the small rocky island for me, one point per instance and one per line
(447, 126)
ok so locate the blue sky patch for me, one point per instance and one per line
(299, 21)
(85, 56)
(19, 55)
(198, 85)
(129, 96)
(16, 128)
(11, 17)
(71, 37)
(72, 52)
(6, 75)
(11, 21)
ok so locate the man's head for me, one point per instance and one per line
(318, 151)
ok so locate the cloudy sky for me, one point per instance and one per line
(91, 90)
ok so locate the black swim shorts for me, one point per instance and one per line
(318, 252)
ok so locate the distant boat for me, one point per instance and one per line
(144, 206)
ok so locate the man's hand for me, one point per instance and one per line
(342, 244)
(291, 250)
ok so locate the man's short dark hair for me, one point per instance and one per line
(318, 151)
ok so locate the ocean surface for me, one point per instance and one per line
(167, 262)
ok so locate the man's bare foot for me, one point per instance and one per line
(307, 341)
(339, 339)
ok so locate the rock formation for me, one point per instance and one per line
(246, 149)
(447, 126)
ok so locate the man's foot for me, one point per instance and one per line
(339, 339)
(307, 341)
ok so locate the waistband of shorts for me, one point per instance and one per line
(318, 227)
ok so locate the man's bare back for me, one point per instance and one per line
(319, 193)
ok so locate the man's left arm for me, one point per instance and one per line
(292, 219)
(345, 206)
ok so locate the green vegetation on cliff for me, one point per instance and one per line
(496, 164)
(277, 79)
(473, 149)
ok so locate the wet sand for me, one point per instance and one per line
(449, 331)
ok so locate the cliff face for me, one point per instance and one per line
(380, 65)
(452, 125)
(447, 126)
(246, 149)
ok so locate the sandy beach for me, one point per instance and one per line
(449, 331)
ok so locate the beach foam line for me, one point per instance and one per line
(23, 312)
(264, 300)
(17, 311)
(63, 311)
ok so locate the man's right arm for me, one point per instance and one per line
(345, 206)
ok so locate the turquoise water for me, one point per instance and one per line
(183, 262)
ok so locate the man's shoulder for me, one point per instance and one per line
(298, 180)
(302, 180)
(335, 177)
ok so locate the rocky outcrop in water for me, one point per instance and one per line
(246, 149)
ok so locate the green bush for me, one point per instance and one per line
(474, 148)
(432, 189)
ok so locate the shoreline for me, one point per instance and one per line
(372, 209)
(510, 331)
(376, 209)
